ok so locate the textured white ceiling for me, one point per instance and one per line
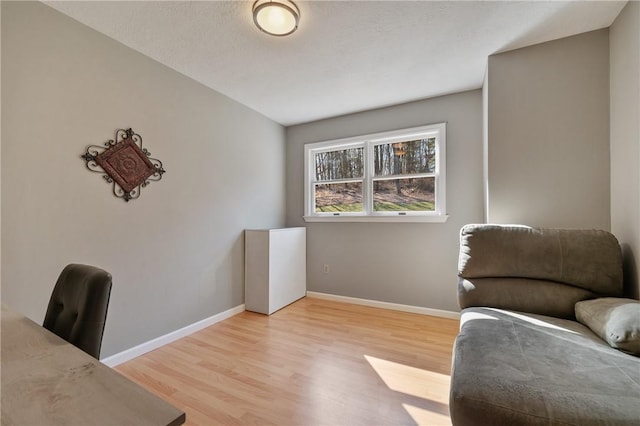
(346, 56)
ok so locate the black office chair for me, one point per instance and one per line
(77, 309)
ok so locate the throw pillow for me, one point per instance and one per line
(615, 320)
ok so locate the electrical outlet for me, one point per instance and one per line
(325, 268)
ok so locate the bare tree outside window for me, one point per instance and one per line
(397, 175)
(401, 160)
(342, 164)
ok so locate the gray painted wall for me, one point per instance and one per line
(485, 142)
(407, 263)
(0, 159)
(624, 43)
(176, 253)
(548, 134)
(66, 86)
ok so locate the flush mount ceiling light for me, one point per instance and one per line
(276, 17)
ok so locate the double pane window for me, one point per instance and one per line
(404, 176)
(386, 175)
(338, 180)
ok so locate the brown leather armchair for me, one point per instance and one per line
(77, 310)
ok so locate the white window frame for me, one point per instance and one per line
(368, 142)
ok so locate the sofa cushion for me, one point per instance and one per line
(590, 259)
(615, 320)
(524, 369)
(522, 294)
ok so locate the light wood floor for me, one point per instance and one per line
(315, 362)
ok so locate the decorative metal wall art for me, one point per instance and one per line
(124, 163)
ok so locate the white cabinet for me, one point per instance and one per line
(275, 268)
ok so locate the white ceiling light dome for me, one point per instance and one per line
(276, 17)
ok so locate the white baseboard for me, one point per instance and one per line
(386, 305)
(143, 348)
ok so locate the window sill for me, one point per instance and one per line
(388, 219)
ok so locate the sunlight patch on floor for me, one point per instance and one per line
(411, 380)
(426, 417)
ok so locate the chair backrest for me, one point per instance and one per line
(537, 270)
(77, 310)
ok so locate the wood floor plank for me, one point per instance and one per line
(315, 362)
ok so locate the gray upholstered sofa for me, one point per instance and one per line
(521, 358)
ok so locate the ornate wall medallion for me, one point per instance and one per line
(124, 163)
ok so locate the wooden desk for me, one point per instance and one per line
(47, 381)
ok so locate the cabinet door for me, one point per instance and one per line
(287, 267)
